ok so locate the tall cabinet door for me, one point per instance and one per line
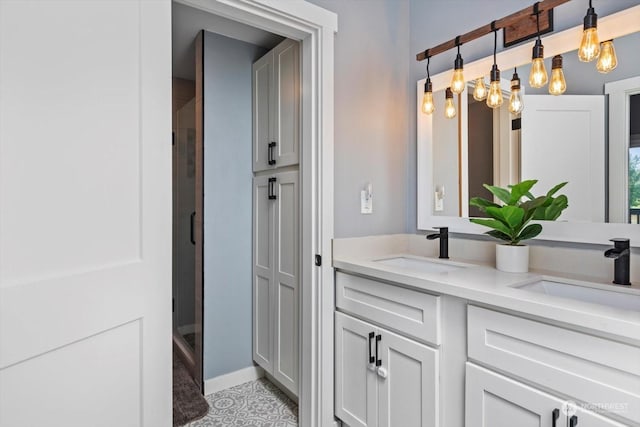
(286, 102)
(262, 106)
(263, 262)
(286, 280)
(408, 383)
(356, 380)
(496, 401)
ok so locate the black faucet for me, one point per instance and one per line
(443, 235)
(621, 253)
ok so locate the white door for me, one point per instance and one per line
(562, 155)
(492, 400)
(355, 378)
(408, 383)
(262, 104)
(286, 102)
(263, 261)
(286, 279)
(85, 213)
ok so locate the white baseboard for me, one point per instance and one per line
(231, 379)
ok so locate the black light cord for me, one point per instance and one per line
(536, 10)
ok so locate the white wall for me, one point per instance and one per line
(228, 175)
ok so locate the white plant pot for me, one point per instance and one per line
(512, 259)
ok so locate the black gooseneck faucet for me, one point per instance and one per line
(621, 253)
(443, 235)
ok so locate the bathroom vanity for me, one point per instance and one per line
(426, 342)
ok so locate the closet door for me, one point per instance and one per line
(262, 114)
(263, 262)
(286, 280)
(286, 102)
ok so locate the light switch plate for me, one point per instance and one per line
(366, 203)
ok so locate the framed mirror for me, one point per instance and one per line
(589, 136)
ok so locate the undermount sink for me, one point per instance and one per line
(611, 298)
(420, 265)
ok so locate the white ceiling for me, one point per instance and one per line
(187, 21)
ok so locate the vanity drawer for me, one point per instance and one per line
(410, 313)
(583, 367)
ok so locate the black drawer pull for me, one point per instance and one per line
(573, 421)
(378, 361)
(554, 416)
(371, 358)
(270, 148)
(272, 194)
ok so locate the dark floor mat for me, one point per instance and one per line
(188, 403)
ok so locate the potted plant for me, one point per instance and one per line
(511, 221)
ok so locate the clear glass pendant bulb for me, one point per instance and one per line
(516, 105)
(607, 61)
(480, 90)
(558, 85)
(449, 108)
(494, 98)
(538, 75)
(457, 81)
(589, 45)
(428, 106)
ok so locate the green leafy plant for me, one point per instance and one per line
(511, 221)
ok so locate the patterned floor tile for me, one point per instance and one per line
(253, 404)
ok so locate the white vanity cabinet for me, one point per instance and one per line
(381, 377)
(577, 365)
(276, 107)
(493, 400)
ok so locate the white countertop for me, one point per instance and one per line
(483, 284)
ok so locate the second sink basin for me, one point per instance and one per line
(420, 265)
(611, 298)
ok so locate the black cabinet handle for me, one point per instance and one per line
(371, 358)
(272, 194)
(554, 416)
(270, 148)
(193, 231)
(573, 421)
(378, 361)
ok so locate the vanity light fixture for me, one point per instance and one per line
(516, 104)
(428, 107)
(449, 106)
(589, 45)
(558, 85)
(457, 80)
(494, 98)
(480, 90)
(538, 75)
(607, 61)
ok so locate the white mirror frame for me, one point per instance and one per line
(609, 27)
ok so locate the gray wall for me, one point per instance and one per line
(436, 21)
(227, 204)
(373, 106)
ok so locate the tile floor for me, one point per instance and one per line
(254, 404)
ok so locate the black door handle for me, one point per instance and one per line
(371, 358)
(573, 421)
(554, 416)
(270, 148)
(272, 194)
(378, 361)
(193, 231)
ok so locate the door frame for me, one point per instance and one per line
(314, 27)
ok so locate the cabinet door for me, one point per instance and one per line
(493, 400)
(407, 382)
(263, 261)
(356, 380)
(286, 102)
(586, 418)
(262, 105)
(286, 280)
